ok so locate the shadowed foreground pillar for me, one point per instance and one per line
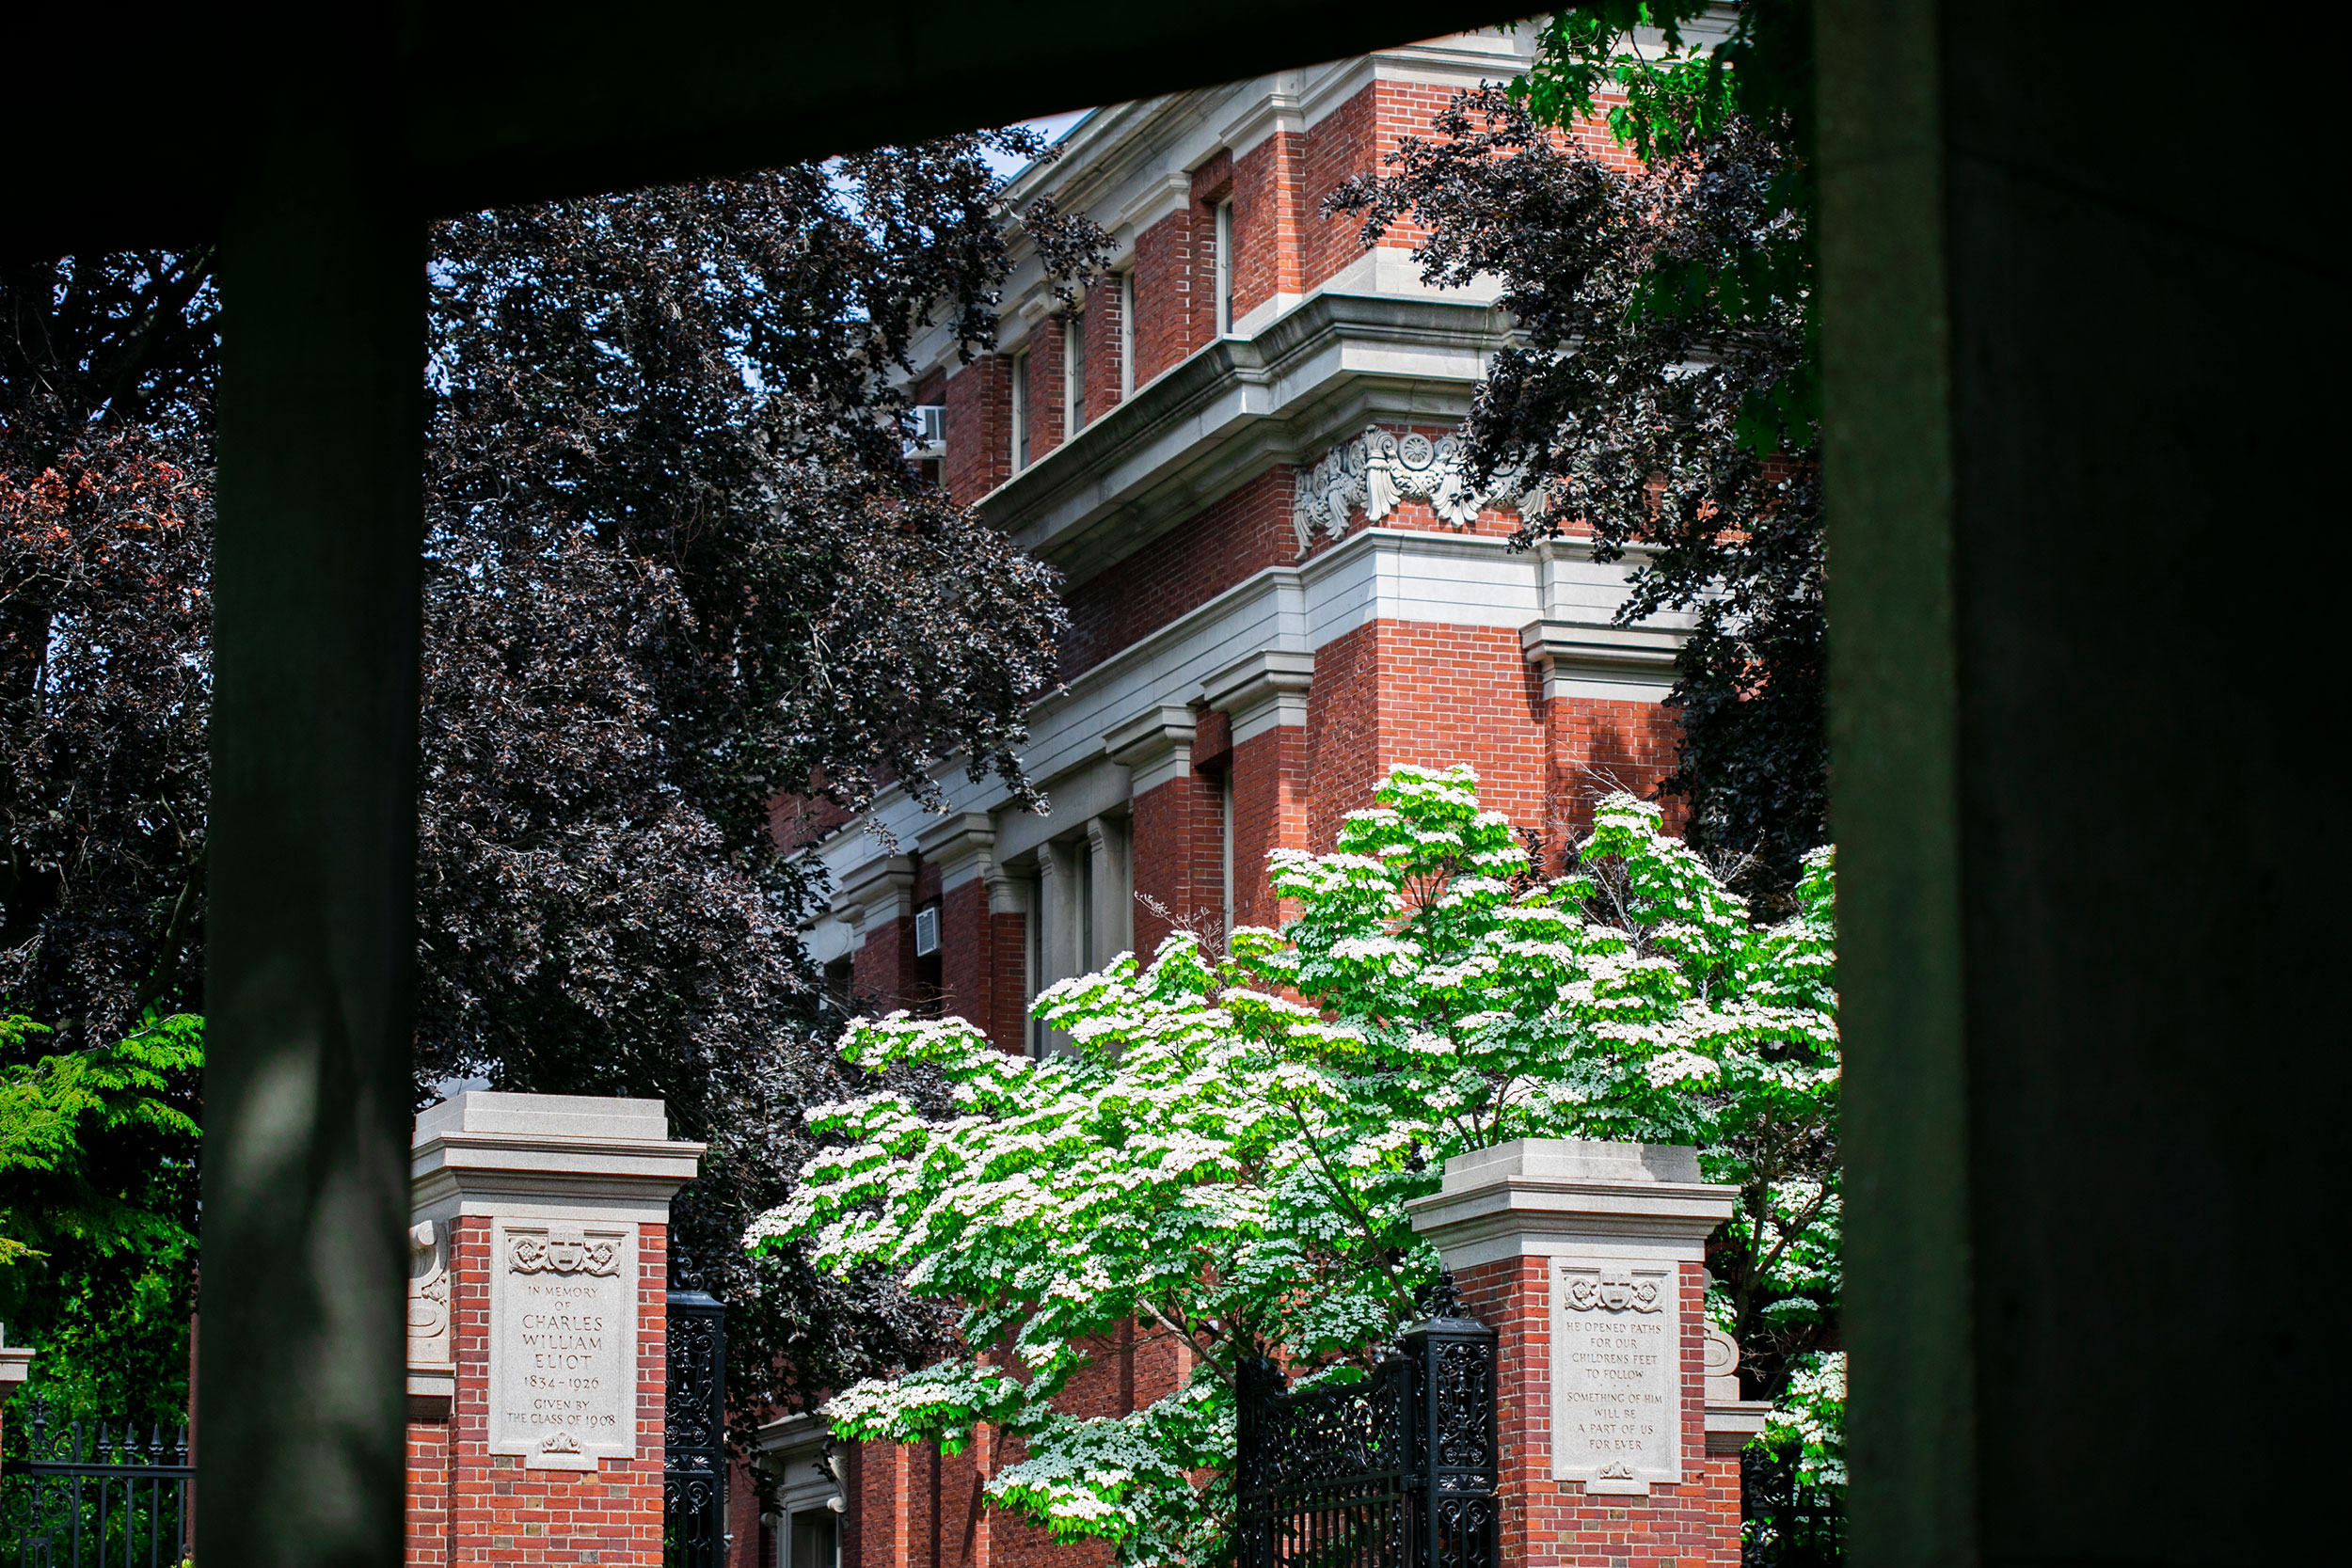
(2085, 499)
(310, 946)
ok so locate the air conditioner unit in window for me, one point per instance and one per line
(927, 931)
(930, 430)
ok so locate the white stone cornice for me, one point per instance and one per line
(1582, 658)
(1155, 746)
(1261, 692)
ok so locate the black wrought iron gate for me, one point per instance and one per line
(693, 1437)
(1396, 1471)
(93, 1493)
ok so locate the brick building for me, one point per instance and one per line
(1280, 585)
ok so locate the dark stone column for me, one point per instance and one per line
(2083, 330)
(312, 851)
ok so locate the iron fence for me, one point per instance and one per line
(86, 1494)
(1786, 1523)
(1396, 1471)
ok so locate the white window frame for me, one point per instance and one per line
(1225, 268)
(1074, 370)
(1020, 422)
(1127, 334)
(1225, 794)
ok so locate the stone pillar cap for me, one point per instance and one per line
(480, 1152)
(563, 1115)
(1541, 1195)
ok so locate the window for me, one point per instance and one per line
(1074, 373)
(1020, 412)
(1127, 333)
(1224, 268)
(815, 1542)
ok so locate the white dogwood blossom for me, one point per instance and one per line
(1224, 1158)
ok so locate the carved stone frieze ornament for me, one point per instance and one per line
(1611, 1293)
(1378, 469)
(428, 1295)
(564, 1254)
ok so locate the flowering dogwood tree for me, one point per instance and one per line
(1225, 1155)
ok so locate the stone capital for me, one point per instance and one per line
(1154, 746)
(1547, 1197)
(1581, 658)
(962, 845)
(1263, 692)
(873, 895)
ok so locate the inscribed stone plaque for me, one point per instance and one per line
(563, 1343)
(1616, 1364)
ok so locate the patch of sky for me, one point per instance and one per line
(1054, 127)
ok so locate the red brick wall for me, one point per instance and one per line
(503, 1514)
(1598, 746)
(1045, 387)
(430, 1494)
(1179, 845)
(1548, 1522)
(1213, 741)
(1229, 541)
(1412, 691)
(882, 971)
(1102, 348)
(967, 953)
(914, 1508)
(1211, 183)
(978, 400)
(1009, 1018)
(984, 966)
(1270, 813)
(1341, 144)
(742, 1548)
(1267, 197)
(1167, 257)
(1226, 543)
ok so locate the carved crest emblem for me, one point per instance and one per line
(564, 1254)
(1613, 1290)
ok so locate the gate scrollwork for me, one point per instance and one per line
(1398, 1470)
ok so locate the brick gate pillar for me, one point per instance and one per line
(1588, 1261)
(536, 1314)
